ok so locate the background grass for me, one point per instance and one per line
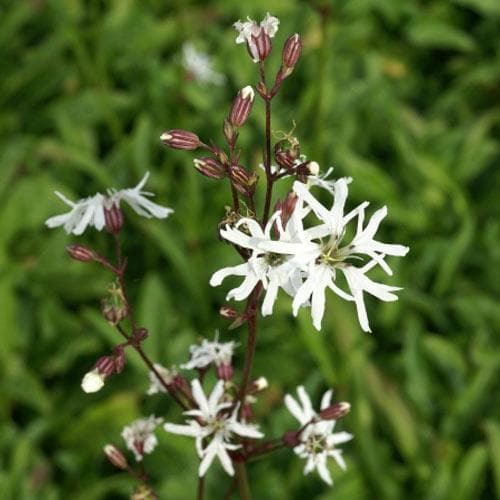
(404, 96)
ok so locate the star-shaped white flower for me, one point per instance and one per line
(139, 436)
(318, 442)
(249, 30)
(89, 212)
(210, 352)
(212, 422)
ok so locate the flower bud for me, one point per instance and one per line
(242, 106)
(93, 381)
(81, 253)
(291, 51)
(209, 167)
(120, 358)
(180, 139)
(105, 365)
(116, 457)
(260, 384)
(286, 152)
(225, 372)
(335, 411)
(242, 180)
(113, 218)
(286, 206)
(228, 312)
(259, 47)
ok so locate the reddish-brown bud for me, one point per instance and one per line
(242, 180)
(291, 51)
(287, 206)
(81, 253)
(260, 46)
(291, 439)
(335, 411)
(225, 372)
(242, 106)
(246, 412)
(105, 365)
(113, 313)
(116, 457)
(229, 132)
(209, 167)
(113, 217)
(120, 358)
(228, 312)
(180, 139)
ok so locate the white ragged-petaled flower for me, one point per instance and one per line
(317, 441)
(210, 352)
(200, 66)
(167, 374)
(139, 436)
(273, 270)
(214, 427)
(89, 212)
(250, 32)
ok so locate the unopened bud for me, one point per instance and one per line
(81, 253)
(105, 365)
(335, 411)
(116, 457)
(291, 439)
(180, 139)
(286, 207)
(209, 167)
(242, 106)
(113, 218)
(228, 312)
(225, 372)
(260, 384)
(93, 381)
(259, 47)
(242, 180)
(286, 152)
(291, 52)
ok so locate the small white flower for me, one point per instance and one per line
(317, 440)
(93, 381)
(249, 30)
(166, 374)
(90, 211)
(208, 352)
(200, 65)
(211, 423)
(139, 436)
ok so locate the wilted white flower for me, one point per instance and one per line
(213, 428)
(317, 440)
(139, 436)
(249, 31)
(90, 211)
(93, 381)
(200, 65)
(166, 374)
(208, 352)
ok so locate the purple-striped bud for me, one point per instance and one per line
(81, 253)
(335, 411)
(113, 218)
(260, 46)
(242, 180)
(286, 206)
(242, 106)
(116, 457)
(120, 358)
(225, 372)
(180, 139)
(105, 365)
(291, 51)
(209, 167)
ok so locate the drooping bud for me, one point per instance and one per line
(225, 371)
(209, 167)
(228, 312)
(116, 457)
(291, 53)
(180, 139)
(93, 381)
(335, 411)
(81, 253)
(260, 46)
(242, 106)
(113, 218)
(105, 365)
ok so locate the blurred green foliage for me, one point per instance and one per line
(404, 96)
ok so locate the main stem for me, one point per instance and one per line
(201, 488)
(242, 478)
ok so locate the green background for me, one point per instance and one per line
(402, 95)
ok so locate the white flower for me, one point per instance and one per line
(274, 270)
(139, 436)
(90, 211)
(249, 30)
(93, 381)
(208, 352)
(200, 65)
(317, 440)
(166, 374)
(213, 424)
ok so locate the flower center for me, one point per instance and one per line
(274, 259)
